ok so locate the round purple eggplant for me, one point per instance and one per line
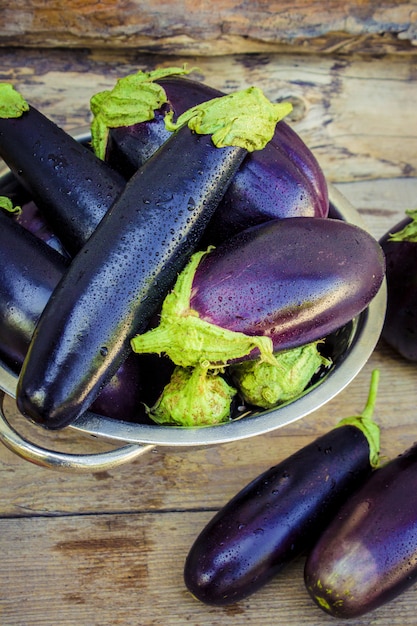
(280, 514)
(273, 287)
(29, 272)
(400, 326)
(367, 555)
(282, 180)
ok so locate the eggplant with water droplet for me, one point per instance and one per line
(280, 514)
(282, 180)
(367, 555)
(400, 249)
(29, 272)
(118, 280)
(70, 185)
(273, 287)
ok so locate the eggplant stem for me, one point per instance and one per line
(365, 421)
(368, 411)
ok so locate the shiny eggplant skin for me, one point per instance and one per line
(70, 185)
(400, 326)
(282, 180)
(29, 215)
(275, 518)
(29, 272)
(117, 281)
(367, 555)
(129, 147)
(294, 280)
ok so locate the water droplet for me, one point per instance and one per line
(104, 351)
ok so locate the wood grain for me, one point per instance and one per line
(213, 28)
(108, 548)
(356, 114)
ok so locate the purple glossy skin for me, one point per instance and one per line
(400, 326)
(130, 146)
(294, 280)
(31, 219)
(30, 271)
(275, 518)
(118, 280)
(69, 184)
(282, 180)
(367, 555)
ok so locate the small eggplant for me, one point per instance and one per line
(270, 288)
(70, 185)
(29, 272)
(27, 214)
(400, 249)
(282, 180)
(118, 280)
(280, 514)
(367, 555)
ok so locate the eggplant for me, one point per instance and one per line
(400, 249)
(29, 272)
(282, 180)
(16, 201)
(71, 186)
(116, 283)
(272, 287)
(367, 555)
(32, 219)
(280, 514)
(128, 146)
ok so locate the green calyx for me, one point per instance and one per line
(193, 397)
(133, 99)
(366, 424)
(267, 385)
(12, 104)
(7, 205)
(190, 341)
(245, 119)
(409, 232)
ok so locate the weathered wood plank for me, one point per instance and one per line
(357, 115)
(175, 479)
(226, 27)
(103, 570)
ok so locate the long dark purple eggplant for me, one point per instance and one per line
(273, 287)
(282, 180)
(367, 555)
(118, 280)
(29, 272)
(71, 186)
(400, 249)
(280, 514)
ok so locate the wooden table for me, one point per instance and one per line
(108, 548)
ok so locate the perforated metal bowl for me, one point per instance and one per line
(353, 346)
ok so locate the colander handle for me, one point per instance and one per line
(60, 461)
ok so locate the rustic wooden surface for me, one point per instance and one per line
(109, 547)
(216, 27)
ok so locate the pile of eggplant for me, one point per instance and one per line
(191, 236)
(184, 261)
